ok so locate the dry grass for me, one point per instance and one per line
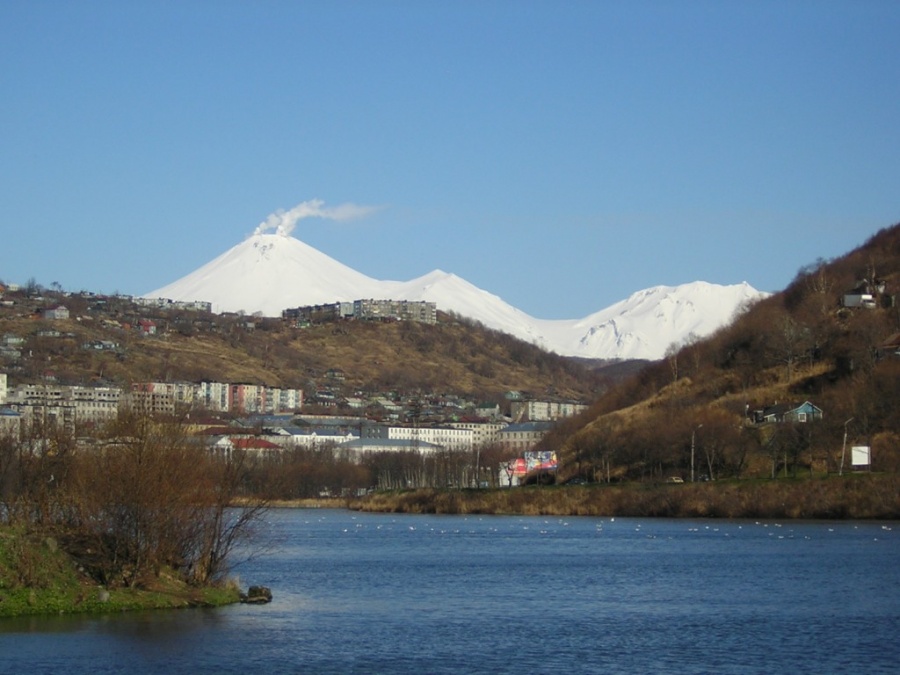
(451, 356)
(852, 497)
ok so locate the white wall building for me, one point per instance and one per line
(66, 404)
(215, 396)
(446, 437)
(483, 433)
(544, 411)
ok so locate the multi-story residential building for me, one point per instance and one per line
(521, 437)
(163, 398)
(318, 313)
(364, 310)
(165, 303)
(483, 433)
(446, 437)
(166, 397)
(544, 411)
(404, 310)
(285, 400)
(96, 404)
(68, 405)
(214, 396)
(248, 398)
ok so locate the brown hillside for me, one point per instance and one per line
(799, 345)
(454, 356)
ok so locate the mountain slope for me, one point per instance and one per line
(649, 321)
(268, 273)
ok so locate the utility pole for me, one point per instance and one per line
(844, 448)
(693, 436)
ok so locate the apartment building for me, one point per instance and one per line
(446, 437)
(544, 411)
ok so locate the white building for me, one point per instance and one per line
(166, 397)
(215, 396)
(285, 400)
(68, 405)
(519, 438)
(10, 421)
(483, 433)
(446, 437)
(544, 411)
(311, 438)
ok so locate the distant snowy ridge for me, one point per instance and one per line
(268, 273)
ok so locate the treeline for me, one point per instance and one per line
(307, 473)
(141, 499)
(867, 496)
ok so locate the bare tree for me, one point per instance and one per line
(150, 498)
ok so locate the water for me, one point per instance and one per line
(364, 593)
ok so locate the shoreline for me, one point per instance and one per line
(855, 497)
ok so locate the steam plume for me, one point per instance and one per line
(283, 222)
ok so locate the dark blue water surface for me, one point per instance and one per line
(371, 593)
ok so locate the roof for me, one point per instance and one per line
(893, 342)
(393, 443)
(780, 408)
(253, 444)
(528, 427)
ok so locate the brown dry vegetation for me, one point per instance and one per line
(141, 501)
(455, 356)
(858, 497)
(795, 346)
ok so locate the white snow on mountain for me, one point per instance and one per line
(268, 273)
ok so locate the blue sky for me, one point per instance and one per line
(561, 155)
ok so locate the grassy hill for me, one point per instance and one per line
(455, 356)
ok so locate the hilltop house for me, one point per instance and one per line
(59, 313)
(787, 412)
(146, 327)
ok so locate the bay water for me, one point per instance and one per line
(387, 593)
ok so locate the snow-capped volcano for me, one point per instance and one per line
(268, 273)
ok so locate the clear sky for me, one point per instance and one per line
(561, 155)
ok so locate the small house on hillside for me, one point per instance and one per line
(146, 327)
(890, 346)
(787, 412)
(56, 313)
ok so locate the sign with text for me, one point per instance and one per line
(541, 461)
(861, 455)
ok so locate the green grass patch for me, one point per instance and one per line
(37, 577)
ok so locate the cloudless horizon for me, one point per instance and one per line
(561, 155)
